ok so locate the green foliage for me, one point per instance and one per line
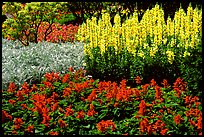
(27, 18)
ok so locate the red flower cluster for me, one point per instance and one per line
(178, 119)
(62, 123)
(80, 114)
(5, 116)
(91, 111)
(12, 87)
(69, 111)
(17, 123)
(104, 125)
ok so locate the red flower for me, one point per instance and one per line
(5, 115)
(54, 107)
(91, 111)
(178, 91)
(12, 87)
(62, 123)
(46, 120)
(138, 80)
(142, 107)
(24, 106)
(143, 125)
(65, 78)
(30, 128)
(153, 83)
(177, 119)
(20, 95)
(163, 131)
(11, 101)
(67, 92)
(192, 122)
(104, 125)
(53, 133)
(33, 88)
(92, 96)
(80, 114)
(165, 83)
(48, 84)
(180, 84)
(69, 111)
(158, 92)
(17, 123)
(199, 124)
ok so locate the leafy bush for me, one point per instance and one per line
(26, 19)
(150, 48)
(72, 104)
(29, 64)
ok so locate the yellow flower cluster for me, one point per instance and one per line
(185, 30)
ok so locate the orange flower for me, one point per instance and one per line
(48, 85)
(192, 122)
(178, 91)
(199, 124)
(62, 123)
(177, 119)
(138, 80)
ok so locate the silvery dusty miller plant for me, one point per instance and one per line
(20, 63)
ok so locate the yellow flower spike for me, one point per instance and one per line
(186, 53)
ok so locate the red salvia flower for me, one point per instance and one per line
(48, 84)
(104, 125)
(199, 124)
(143, 125)
(20, 95)
(153, 83)
(53, 133)
(62, 123)
(25, 88)
(17, 123)
(92, 96)
(91, 111)
(12, 87)
(158, 92)
(24, 106)
(34, 88)
(49, 77)
(142, 107)
(80, 114)
(11, 101)
(69, 111)
(138, 80)
(65, 78)
(177, 119)
(192, 122)
(164, 131)
(46, 120)
(5, 115)
(67, 92)
(144, 87)
(178, 91)
(165, 83)
(54, 107)
(180, 84)
(30, 128)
